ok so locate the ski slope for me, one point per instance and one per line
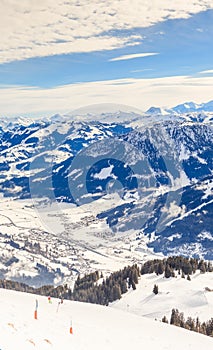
(94, 327)
(189, 297)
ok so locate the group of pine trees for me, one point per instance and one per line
(86, 288)
(46, 290)
(89, 289)
(168, 266)
(177, 319)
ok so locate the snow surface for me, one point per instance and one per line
(105, 173)
(189, 297)
(94, 327)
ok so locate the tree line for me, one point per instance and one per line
(168, 266)
(177, 319)
(87, 288)
(94, 288)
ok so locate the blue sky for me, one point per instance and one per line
(126, 56)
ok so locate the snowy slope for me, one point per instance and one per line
(189, 297)
(94, 327)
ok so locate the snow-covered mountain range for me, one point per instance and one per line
(100, 185)
(184, 108)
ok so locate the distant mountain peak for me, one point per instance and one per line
(157, 110)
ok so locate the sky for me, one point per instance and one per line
(60, 55)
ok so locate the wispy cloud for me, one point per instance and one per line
(132, 56)
(209, 71)
(43, 28)
(141, 70)
(139, 93)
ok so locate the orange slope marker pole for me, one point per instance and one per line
(71, 329)
(36, 310)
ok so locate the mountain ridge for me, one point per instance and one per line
(186, 107)
(101, 188)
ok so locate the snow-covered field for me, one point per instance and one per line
(94, 327)
(189, 297)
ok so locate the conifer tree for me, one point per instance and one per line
(168, 272)
(155, 289)
(164, 319)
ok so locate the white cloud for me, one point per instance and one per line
(132, 56)
(141, 70)
(32, 28)
(139, 93)
(210, 71)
